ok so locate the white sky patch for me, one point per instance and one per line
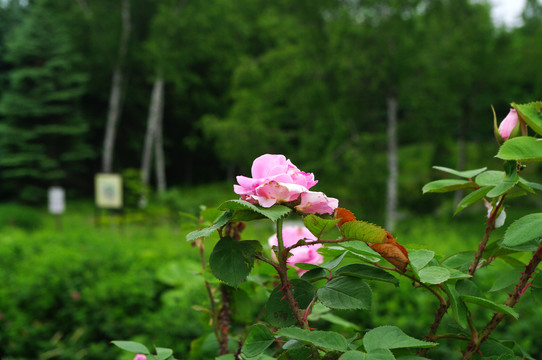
(507, 12)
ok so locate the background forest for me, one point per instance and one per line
(92, 86)
(180, 96)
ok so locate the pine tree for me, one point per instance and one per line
(42, 133)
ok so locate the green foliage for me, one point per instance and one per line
(325, 339)
(346, 292)
(523, 231)
(231, 260)
(391, 337)
(43, 135)
(364, 231)
(523, 148)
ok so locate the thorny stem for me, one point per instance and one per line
(199, 244)
(482, 246)
(224, 321)
(282, 270)
(522, 285)
(441, 311)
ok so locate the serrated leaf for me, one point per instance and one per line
(531, 113)
(278, 312)
(522, 148)
(364, 231)
(420, 258)
(231, 261)
(258, 339)
(328, 340)
(314, 274)
(434, 275)
(472, 198)
(131, 346)
(362, 250)
(333, 263)
(456, 274)
(379, 354)
(346, 292)
(367, 272)
(353, 355)
(460, 260)
(163, 353)
(391, 337)
(490, 305)
(318, 226)
(505, 280)
(530, 184)
(221, 221)
(459, 310)
(524, 230)
(489, 178)
(273, 213)
(446, 185)
(510, 180)
(464, 174)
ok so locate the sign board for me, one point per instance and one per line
(57, 203)
(108, 191)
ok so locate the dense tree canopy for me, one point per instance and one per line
(308, 79)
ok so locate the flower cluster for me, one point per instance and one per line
(302, 254)
(276, 180)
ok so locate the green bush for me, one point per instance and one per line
(20, 216)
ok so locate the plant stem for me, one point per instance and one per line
(482, 246)
(522, 285)
(282, 270)
(201, 247)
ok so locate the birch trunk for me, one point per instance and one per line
(152, 126)
(159, 146)
(115, 96)
(393, 168)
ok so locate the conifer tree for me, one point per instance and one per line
(42, 133)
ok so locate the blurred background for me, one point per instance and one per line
(179, 96)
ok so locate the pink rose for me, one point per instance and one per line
(313, 202)
(302, 254)
(509, 124)
(274, 180)
(140, 357)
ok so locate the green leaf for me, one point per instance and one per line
(364, 231)
(346, 292)
(472, 198)
(329, 340)
(524, 230)
(490, 305)
(163, 353)
(531, 113)
(131, 346)
(434, 275)
(530, 184)
(318, 226)
(505, 280)
(464, 174)
(273, 213)
(522, 148)
(361, 249)
(489, 178)
(511, 179)
(367, 272)
(419, 258)
(379, 354)
(231, 260)
(313, 274)
(391, 337)
(258, 339)
(456, 274)
(446, 185)
(459, 310)
(221, 221)
(278, 312)
(353, 355)
(460, 260)
(333, 263)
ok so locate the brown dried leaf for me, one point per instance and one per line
(344, 215)
(392, 251)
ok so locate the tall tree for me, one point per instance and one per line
(42, 135)
(115, 97)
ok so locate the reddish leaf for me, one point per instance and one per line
(392, 251)
(344, 216)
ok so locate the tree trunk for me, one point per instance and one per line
(115, 96)
(391, 191)
(152, 127)
(159, 146)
